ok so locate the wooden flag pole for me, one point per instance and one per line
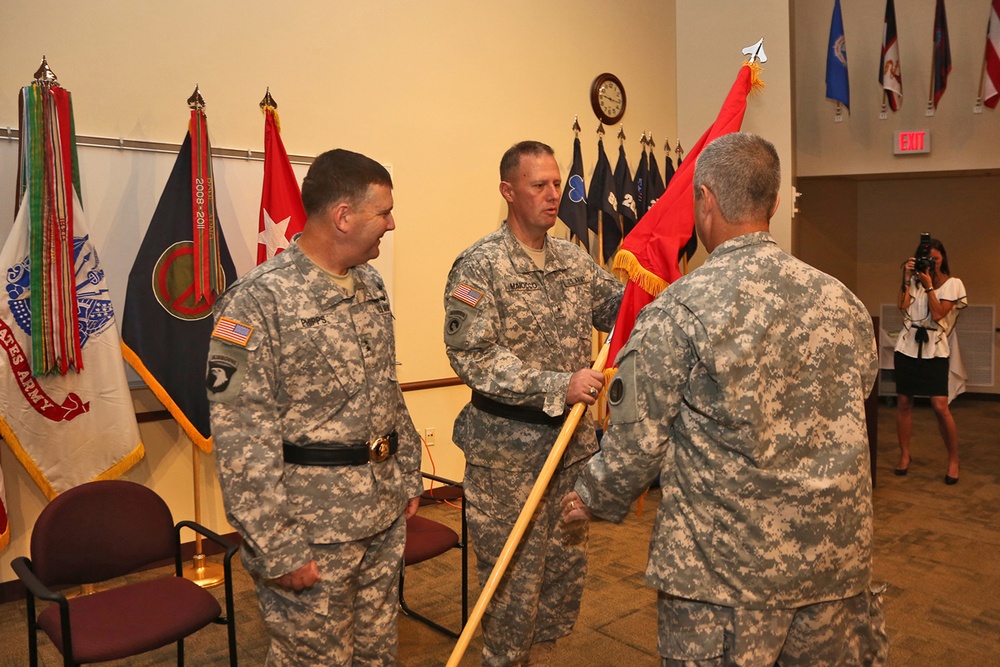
(534, 497)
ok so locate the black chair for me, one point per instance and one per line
(426, 539)
(99, 531)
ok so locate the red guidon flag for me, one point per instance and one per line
(281, 212)
(649, 258)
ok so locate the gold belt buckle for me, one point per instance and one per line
(378, 449)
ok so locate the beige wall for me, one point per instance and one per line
(826, 227)
(710, 39)
(437, 89)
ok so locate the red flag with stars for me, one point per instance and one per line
(281, 212)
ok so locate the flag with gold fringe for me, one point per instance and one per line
(183, 265)
(649, 257)
(67, 411)
(281, 213)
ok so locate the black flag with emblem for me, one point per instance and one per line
(602, 198)
(165, 332)
(573, 205)
(627, 206)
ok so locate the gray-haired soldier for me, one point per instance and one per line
(316, 453)
(743, 388)
(519, 307)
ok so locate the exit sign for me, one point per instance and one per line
(908, 143)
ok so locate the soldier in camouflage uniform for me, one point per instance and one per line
(317, 456)
(520, 306)
(743, 388)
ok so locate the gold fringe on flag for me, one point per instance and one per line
(627, 267)
(757, 84)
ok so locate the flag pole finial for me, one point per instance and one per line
(44, 74)
(600, 130)
(196, 101)
(576, 125)
(679, 150)
(621, 133)
(268, 101)
(643, 141)
(651, 141)
(666, 145)
(756, 51)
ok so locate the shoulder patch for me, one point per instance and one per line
(467, 294)
(232, 331)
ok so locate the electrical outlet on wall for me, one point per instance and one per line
(429, 436)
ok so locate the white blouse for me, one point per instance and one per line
(919, 315)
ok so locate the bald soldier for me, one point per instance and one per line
(520, 306)
(743, 387)
(317, 456)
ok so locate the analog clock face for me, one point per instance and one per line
(610, 98)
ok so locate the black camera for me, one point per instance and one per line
(922, 261)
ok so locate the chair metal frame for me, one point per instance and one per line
(463, 545)
(35, 588)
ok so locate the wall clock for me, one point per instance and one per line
(607, 97)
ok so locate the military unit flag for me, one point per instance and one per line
(837, 86)
(573, 205)
(656, 184)
(67, 413)
(890, 73)
(625, 187)
(941, 66)
(649, 257)
(168, 320)
(642, 181)
(602, 205)
(281, 212)
(991, 79)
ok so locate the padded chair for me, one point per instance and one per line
(101, 530)
(426, 539)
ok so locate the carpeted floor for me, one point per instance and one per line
(938, 546)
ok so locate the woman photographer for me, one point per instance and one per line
(930, 299)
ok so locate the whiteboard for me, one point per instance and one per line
(121, 188)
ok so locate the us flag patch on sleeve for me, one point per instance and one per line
(467, 294)
(233, 331)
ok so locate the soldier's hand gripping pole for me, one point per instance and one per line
(530, 505)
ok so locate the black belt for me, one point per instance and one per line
(921, 337)
(515, 412)
(336, 454)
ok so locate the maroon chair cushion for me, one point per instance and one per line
(160, 612)
(426, 538)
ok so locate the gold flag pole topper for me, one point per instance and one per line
(201, 572)
(524, 518)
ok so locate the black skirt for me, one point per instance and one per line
(921, 377)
